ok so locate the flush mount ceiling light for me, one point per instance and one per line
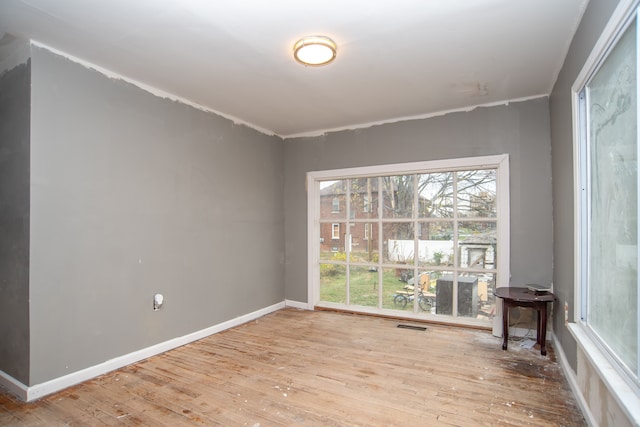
(314, 50)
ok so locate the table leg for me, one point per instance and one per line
(505, 325)
(538, 325)
(543, 330)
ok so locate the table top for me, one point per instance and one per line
(513, 293)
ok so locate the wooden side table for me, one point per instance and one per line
(523, 297)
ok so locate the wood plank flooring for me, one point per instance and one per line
(296, 367)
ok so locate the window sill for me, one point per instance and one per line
(617, 386)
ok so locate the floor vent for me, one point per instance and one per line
(415, 328)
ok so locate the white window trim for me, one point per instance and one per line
(335, 236)
(625, 395)
(500, 162)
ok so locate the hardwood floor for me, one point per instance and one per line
(320, 368)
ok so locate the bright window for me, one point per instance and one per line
(429, 238)
(607, 144)
(335, 231)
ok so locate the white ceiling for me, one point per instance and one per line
(396, 58)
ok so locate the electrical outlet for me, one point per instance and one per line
(158, 300)
(566, 313)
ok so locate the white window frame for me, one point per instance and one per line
(335, 235)
(499, 162)
(619, 384)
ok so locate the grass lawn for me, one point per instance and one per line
(364, 286)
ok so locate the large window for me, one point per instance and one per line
(607, 164)
(427, 239)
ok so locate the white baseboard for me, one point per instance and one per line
(13, 386)
(297, 304)
(573, 383)
(30, 393)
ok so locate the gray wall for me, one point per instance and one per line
(595, 18)
(520, 129)
(131, 195)
(14, 222)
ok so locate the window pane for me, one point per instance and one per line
(398, 241)
(435, 195)
(477, 244)
(363, 286)
(405, 291)
(364, 198)
(613, 285)
(398, 193)
(364, 242)
(426, 291)
(477, 193)
(476, 295)
(330, 247)
(427, 280)
(333, 283)
(397, 294)
(435, 243)
(333, 203)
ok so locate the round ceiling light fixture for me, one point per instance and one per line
(314, 50)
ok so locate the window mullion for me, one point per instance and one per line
(347, 239)
(380, 236)
(416, 246)
(637, 18)
(456, 252)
